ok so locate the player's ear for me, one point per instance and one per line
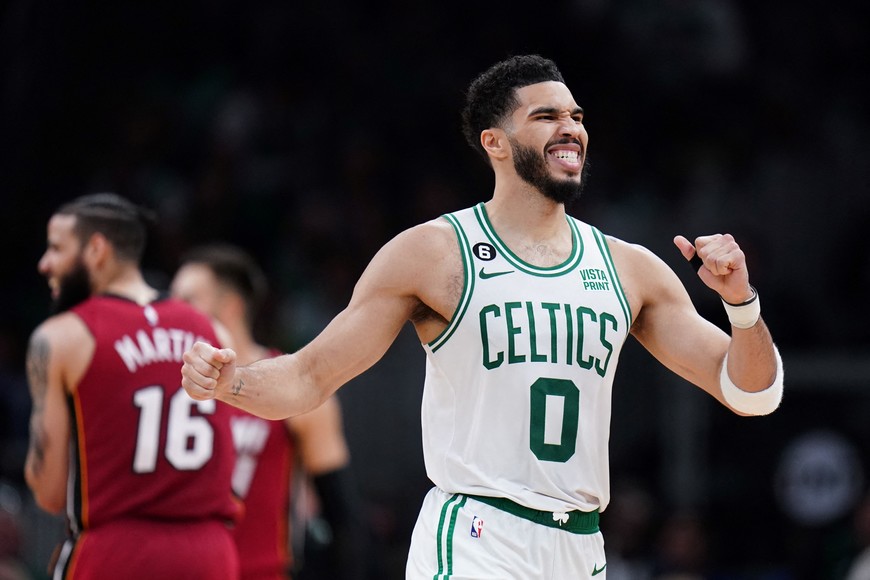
(495, 142)
(97, 249)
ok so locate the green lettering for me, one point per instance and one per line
(605, 317)
(554, 342)
(533, 336)
(569, 324)
(581, 311)
(512, 331)
(488, 361)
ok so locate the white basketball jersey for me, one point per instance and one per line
(517, 397)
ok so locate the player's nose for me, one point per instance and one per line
(569, 127)
(43, 266)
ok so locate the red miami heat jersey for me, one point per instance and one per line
(142, 448)
(262, 479)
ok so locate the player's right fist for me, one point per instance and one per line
(207, 370)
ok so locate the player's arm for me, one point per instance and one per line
(47, 462)
(326, 460)
(384, 298)
(670, 328)
(319, 434)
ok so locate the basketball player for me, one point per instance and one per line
(114, 439)
(224, 282)
(522, 311)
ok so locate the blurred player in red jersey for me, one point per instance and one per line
(225, 282)
(142, 470)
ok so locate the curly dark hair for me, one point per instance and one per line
(122, 222)
(492, 97)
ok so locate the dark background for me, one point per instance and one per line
(310, 133)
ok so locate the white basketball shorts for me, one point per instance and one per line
(458, 537)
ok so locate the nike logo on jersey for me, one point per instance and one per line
(486, 275)
(596, 570)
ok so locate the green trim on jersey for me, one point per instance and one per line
(445, 552)
(611, 268)
(467, 287)
(516, 261)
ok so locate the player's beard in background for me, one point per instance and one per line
(75, 287)
(532, 168)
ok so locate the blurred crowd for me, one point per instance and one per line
(310, 133)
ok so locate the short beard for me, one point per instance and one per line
(75, 287)
(532, 168)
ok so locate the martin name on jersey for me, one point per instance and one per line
(155, 345)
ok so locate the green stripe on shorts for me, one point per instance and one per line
(445, 537)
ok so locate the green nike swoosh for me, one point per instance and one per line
(485, 275)
(596, 570)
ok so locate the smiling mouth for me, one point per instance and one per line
(567, 155)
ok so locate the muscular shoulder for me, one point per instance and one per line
(63, 331)
(422, 265)
(61, 346)
(422, 250)
(433, 238)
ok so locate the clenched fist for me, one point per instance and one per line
(724, 269)
(207, 371)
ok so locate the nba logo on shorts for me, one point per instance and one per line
(476, 527)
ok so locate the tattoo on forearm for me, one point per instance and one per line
(36, 447)
(237, 388)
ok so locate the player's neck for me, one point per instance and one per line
(128, 283)
(533, 226)
(516, 201)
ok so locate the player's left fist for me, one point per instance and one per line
(724, 265)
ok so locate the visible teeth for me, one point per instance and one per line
(569, 155)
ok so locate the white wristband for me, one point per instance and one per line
(758, 403)
(745, 314)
